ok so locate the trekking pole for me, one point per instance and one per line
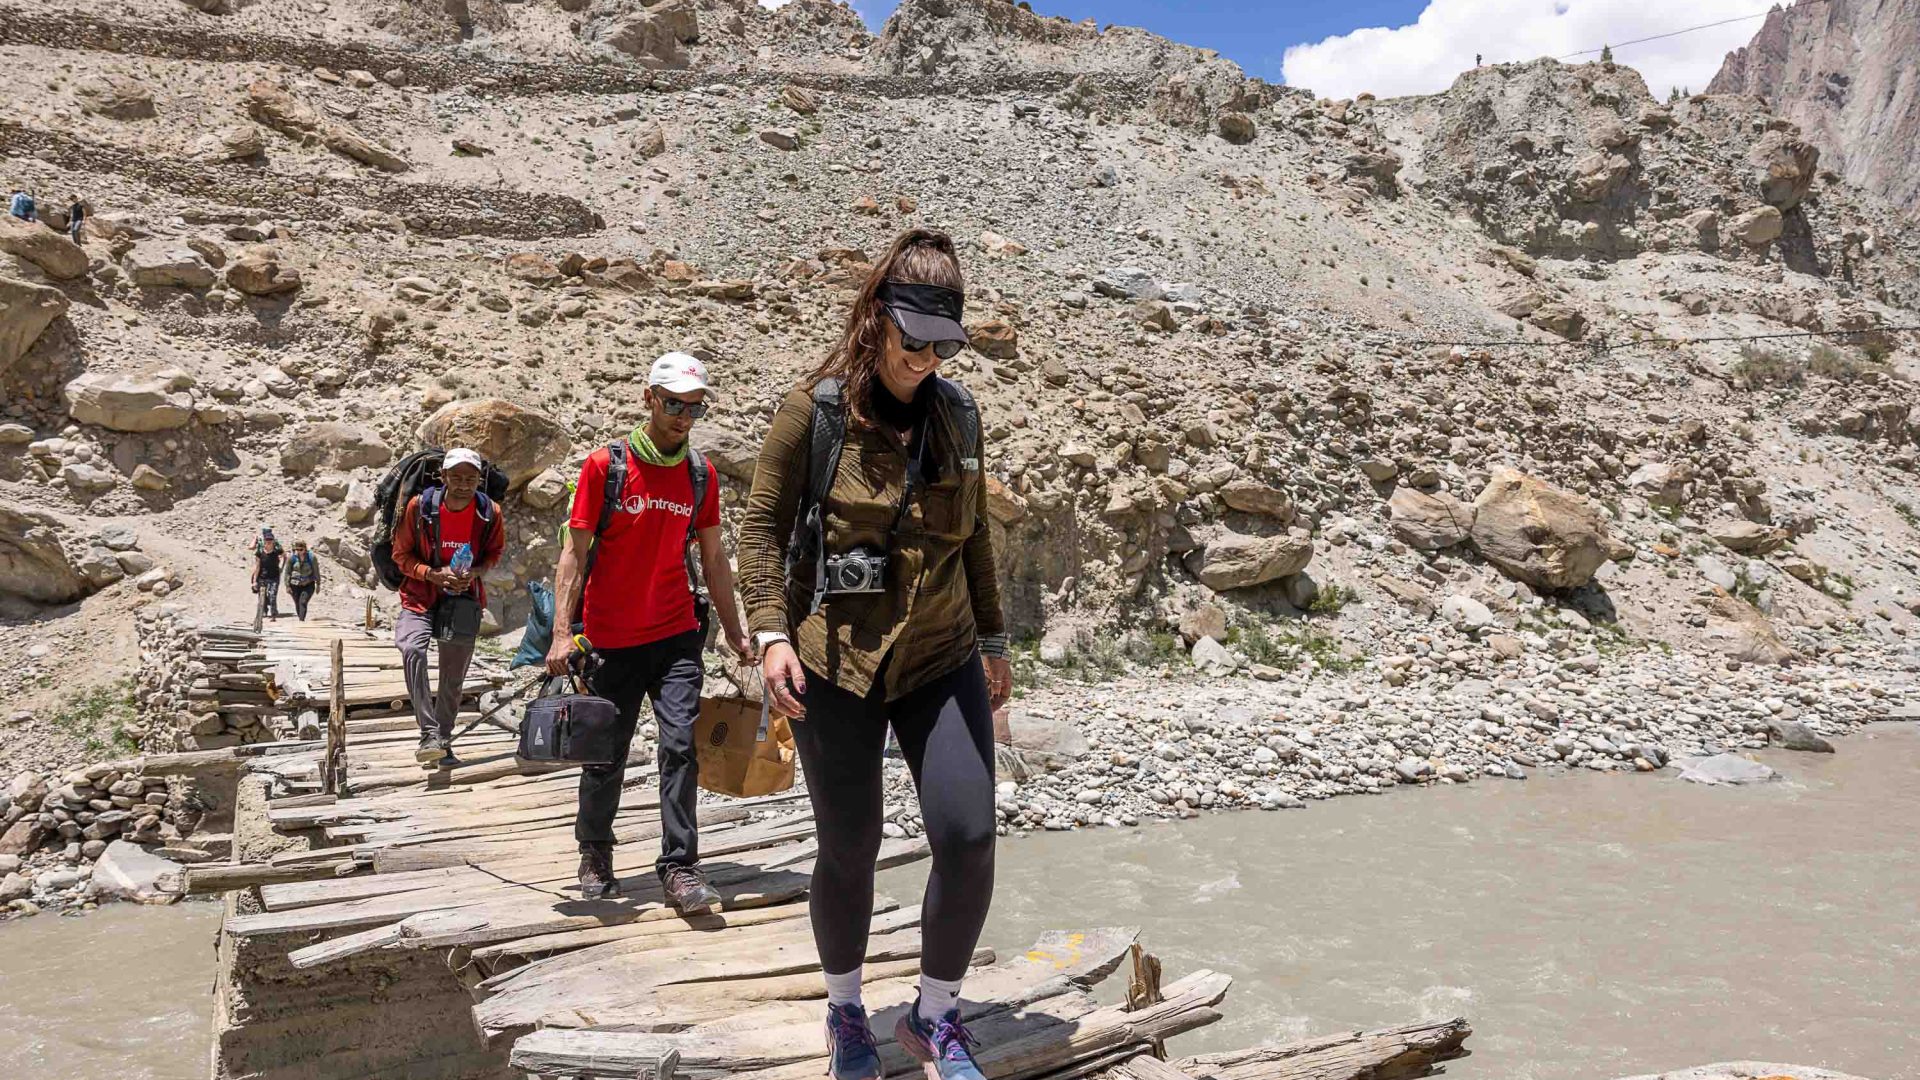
(508, 698)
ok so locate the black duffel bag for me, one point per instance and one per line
(568, 728)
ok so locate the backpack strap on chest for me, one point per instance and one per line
(826, 437)
(429, 524)
(611, 493)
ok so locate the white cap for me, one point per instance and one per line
(678, 373)
(463, 456)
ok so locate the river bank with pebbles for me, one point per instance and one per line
(1172, 742)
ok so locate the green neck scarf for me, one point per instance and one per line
(644, 449)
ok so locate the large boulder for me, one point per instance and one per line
(1738, 630)
(33, 558)
(1537, 533)
(57, 257)
(118, 97)
(127, 404)
(1783, 168)
(127, 871)
(163, 264)
(274, 105)
(517, 440)
(333, 444)
(1428, 522)
(646, 37)
(1757, 227)
(1237, 561)
(26, 310)
(259, 271)
(1749, 537)
(1250, 496)
(237, 143)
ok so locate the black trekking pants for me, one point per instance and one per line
(669, 672)
(945, 730)
(301, 594)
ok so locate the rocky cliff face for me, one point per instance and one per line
(1848, 72)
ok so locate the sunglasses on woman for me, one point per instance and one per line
(945, 350)
(676, 407)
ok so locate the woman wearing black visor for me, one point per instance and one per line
(870, 585)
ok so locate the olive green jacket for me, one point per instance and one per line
(943, 595)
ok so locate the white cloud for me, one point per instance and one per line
(1427, 56)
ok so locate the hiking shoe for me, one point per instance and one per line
(944, 1047)
(597, 881)
(687, 890)
(432, 747)
(852, 1053)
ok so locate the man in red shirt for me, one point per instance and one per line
(427, 538)
(637, 599)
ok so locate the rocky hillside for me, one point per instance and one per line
(1297, 384)
(1845, 71)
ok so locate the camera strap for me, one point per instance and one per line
(916, 468)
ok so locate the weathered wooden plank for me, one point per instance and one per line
(1050, 1044)
(211, 878)
(1397, 1053)
(548, 944)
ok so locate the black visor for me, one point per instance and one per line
(927, 312)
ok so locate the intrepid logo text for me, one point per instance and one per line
(640, 504)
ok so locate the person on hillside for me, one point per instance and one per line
(445, 539)
(76, 217)
(20, 205)
(923, 649)
(642, 614)
(303, 577)
(268, 557)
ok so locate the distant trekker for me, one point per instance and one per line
(642, 613)
(76, 217)
(443, 541)
(268, 557)
(303, 577)
(21, 205)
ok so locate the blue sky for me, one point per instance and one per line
(1251, 33)
(1340, 48)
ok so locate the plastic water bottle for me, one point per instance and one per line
(462, 561)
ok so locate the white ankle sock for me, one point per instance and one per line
(844, 989)
(938, 997)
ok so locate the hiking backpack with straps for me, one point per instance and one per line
(619, 455)
(825, 439)
(415, 474)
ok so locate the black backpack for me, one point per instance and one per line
(412, 475)
(825, 440)
(616, 484)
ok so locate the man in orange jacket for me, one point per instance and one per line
(427, 539)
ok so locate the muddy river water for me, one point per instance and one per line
(1589, 925)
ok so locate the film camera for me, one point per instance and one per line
(861, 570)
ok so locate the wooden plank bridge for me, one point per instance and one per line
(475, 865)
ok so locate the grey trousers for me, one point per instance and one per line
(413, 632)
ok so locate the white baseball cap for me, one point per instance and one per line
(463, 456)
(678, 373)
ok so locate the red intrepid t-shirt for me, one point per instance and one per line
(639, 591)
(456, 528)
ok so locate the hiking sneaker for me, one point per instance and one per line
(432, 747)
(852, 1053)
(944, 1048)
(597, 880)
(687, 890)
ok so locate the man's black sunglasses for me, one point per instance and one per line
(675, 407)
(945, 350)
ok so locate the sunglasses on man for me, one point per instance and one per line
(945, 350)
(676, 407)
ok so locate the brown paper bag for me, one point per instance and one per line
(734, 760)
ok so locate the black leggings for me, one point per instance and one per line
(945, 729)
(301, 594)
